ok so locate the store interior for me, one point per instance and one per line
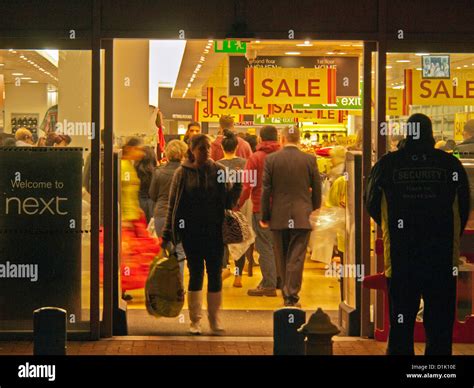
(39, 88)
(200, 73)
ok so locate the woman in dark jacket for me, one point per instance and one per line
(175, 152)
(199, 195)
(145, 169)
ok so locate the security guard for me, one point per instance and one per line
(419, 196)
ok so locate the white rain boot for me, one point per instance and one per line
(195, 311)
(214, 301)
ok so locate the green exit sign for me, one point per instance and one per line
(230, 46)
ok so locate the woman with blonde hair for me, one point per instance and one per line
(175, 152)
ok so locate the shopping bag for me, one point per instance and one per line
(164, 291)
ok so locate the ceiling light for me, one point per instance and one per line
(342, 53)
(206, 51)
(17, 73)
(459, 67)
(330, 53)
(345, 45)
(465, 65)
(306, 43)
(189, 85)
(25, 77)
(399, 87)
(388, 67)
(403, 61)
(292, 53)
(358, 45)
(419, 68)
(421, 54)
(210, 41)
(2, 64)
(33, 82)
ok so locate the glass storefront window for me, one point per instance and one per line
(45, 219)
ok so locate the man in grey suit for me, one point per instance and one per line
(291, 191)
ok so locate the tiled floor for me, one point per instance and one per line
(206, 346)
(318, 290)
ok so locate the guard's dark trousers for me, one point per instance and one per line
(439, 296)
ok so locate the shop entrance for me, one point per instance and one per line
(202, 80)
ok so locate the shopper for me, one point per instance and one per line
(233, 163)
(24, 138)
(194, 128)
(263, 239)
(252, 140)
(145, 168)
(63, 141)
(130, 207)
(243, 148)
(7, 140)
(175, 152)
(466, 148)
(449, 146)
(420, 198)
(195, 218)
(291, 191)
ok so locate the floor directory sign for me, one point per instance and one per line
(40, 230)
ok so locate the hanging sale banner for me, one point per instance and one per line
(320, 116)
(347, 70)
(394, 106)
(460, 120)
(290, 86)
(201, 113)
(222, 104)
(458, 90)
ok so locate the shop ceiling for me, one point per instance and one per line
(28, 66)
(201, 52)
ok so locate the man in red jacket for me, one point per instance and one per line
(243, 148)
(263, 240)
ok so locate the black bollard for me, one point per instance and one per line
(49, 331)
(286, 338)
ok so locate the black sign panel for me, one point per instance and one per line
(40, 230)
(175, 108)
(347, 81)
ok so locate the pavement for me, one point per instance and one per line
(202, 345)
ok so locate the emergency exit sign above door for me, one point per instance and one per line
(230, 46)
